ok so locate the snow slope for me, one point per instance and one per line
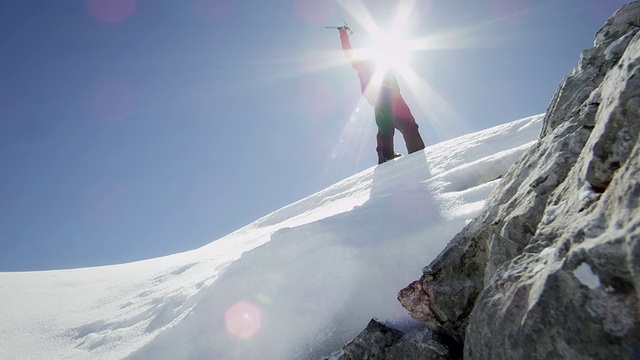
(296, 284)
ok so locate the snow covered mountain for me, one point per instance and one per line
(544, 261)
(298, 283)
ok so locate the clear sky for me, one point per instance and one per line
(132, 129)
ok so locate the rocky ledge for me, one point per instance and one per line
(551, 268)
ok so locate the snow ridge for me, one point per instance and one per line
(307, 277)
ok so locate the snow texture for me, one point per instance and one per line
(585, 274)
(296, 284)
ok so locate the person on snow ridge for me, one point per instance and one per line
(391, 111)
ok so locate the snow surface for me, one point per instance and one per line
(298, 283)
(585, 274)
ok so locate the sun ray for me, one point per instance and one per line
(443, 118)
(403, 14)
(296, 65)
(444, 121)
(358, 11)
(353, 137)
(476, 37)
(390, 49)
(484, 35)
(271, 70)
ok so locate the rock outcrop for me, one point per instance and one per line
(551, 268)
(379, 341)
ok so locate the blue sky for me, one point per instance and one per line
(135, 129)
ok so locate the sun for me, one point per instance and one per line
(387, 47)
(389, 51)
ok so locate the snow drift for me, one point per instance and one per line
(296, 284)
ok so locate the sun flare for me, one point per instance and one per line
(395, 50)
(389, 51)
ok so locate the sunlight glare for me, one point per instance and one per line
(445, 121)
(389, 50)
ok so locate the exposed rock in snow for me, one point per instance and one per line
(551, 268)
(379, 341)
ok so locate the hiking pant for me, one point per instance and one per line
(392, 112)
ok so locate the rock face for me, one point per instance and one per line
(378, 341)
(551, 268)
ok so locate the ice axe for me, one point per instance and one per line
(345, 26)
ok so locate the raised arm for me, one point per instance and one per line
(346, 44)
(357, 63)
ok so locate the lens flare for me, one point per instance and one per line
(389, 51)
(243, 320)
(387, 48)
(264, 299)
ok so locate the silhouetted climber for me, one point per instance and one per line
(391, 111)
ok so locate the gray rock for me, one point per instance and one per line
(381, 342)
(372, 342)
(551, 268)
(418, 350)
